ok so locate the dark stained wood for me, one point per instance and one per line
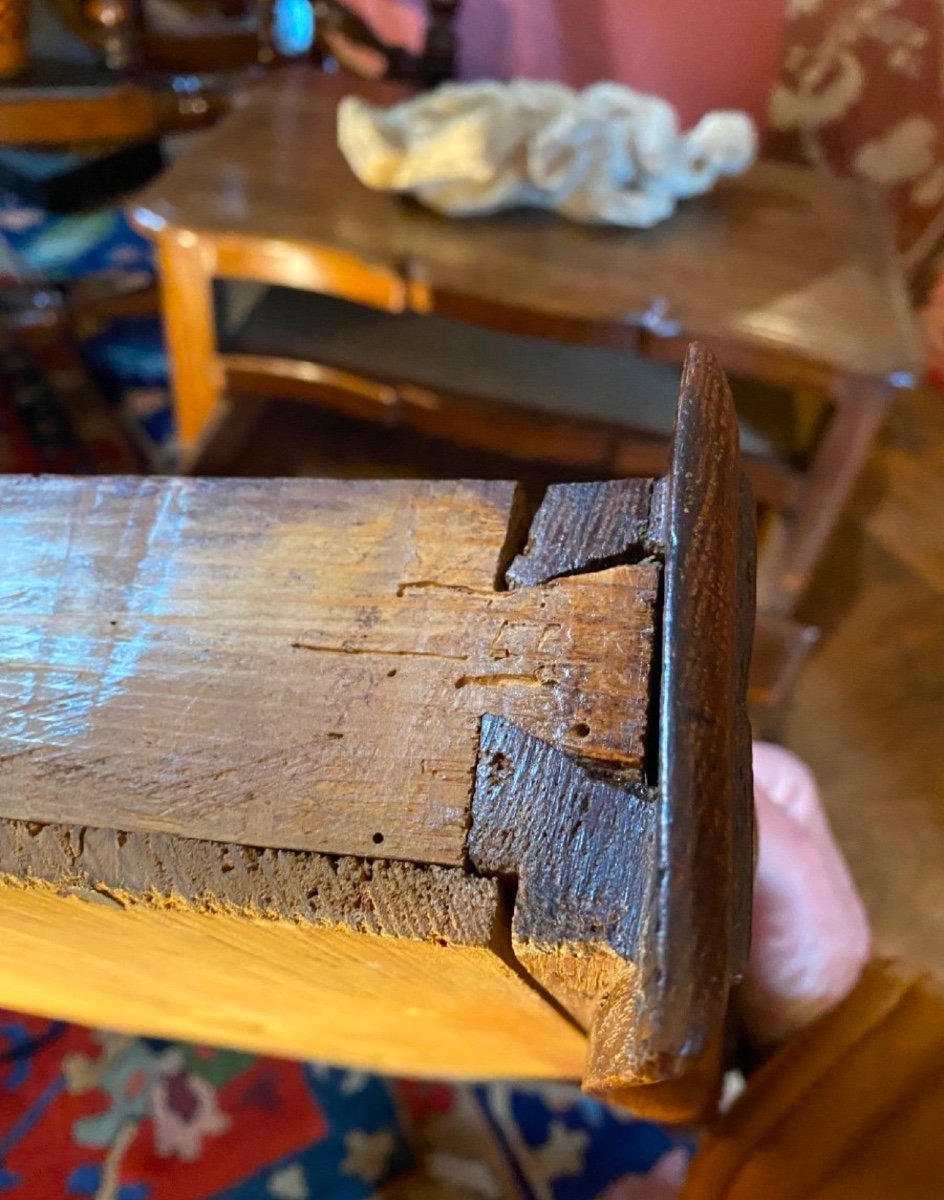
(53, 105)
(733, 682)
(585, 526)
(698, 932)
(581, 845)
(656, 874)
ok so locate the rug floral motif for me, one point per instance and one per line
(97, 1115)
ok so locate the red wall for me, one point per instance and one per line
(700, 54)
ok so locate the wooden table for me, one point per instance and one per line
(61, 104)
(790, 275)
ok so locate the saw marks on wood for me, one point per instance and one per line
(379, 965)
(396, 899)
(298, 663)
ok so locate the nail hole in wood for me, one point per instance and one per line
(581, 729)
(378, 838)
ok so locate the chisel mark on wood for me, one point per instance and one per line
(499, 680)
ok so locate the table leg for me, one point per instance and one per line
(860, 407)
(186, 270)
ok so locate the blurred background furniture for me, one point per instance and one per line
(81, 122)
(851, 85)
(82, 370)
(524, 333)
(54, 104)
(149, 81)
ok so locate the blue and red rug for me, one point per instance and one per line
(102, 1116)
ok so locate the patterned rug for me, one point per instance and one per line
(102, 405)
(102, 1116)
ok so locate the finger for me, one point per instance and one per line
(810, 934)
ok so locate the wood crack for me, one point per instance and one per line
(379, 650)
(422, 585)
(581, 847)
(581, 528)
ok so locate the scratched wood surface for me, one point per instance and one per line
(297, 663)
(382, 749)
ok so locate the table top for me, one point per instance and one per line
(785, 259)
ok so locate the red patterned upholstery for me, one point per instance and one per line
(862, 90)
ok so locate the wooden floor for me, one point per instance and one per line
(868, 711)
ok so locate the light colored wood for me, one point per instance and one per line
(378, 965)
(126, 112)
(295, 663)
(186, 272)
(353, 395)
(271, 986)
(317, 268)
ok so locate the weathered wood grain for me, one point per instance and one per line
(451, 799)
(300, 664)
(443, 905)
(582, 848)
(585, 527)
(665, 1029)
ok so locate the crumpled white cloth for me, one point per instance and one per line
(606, 155)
